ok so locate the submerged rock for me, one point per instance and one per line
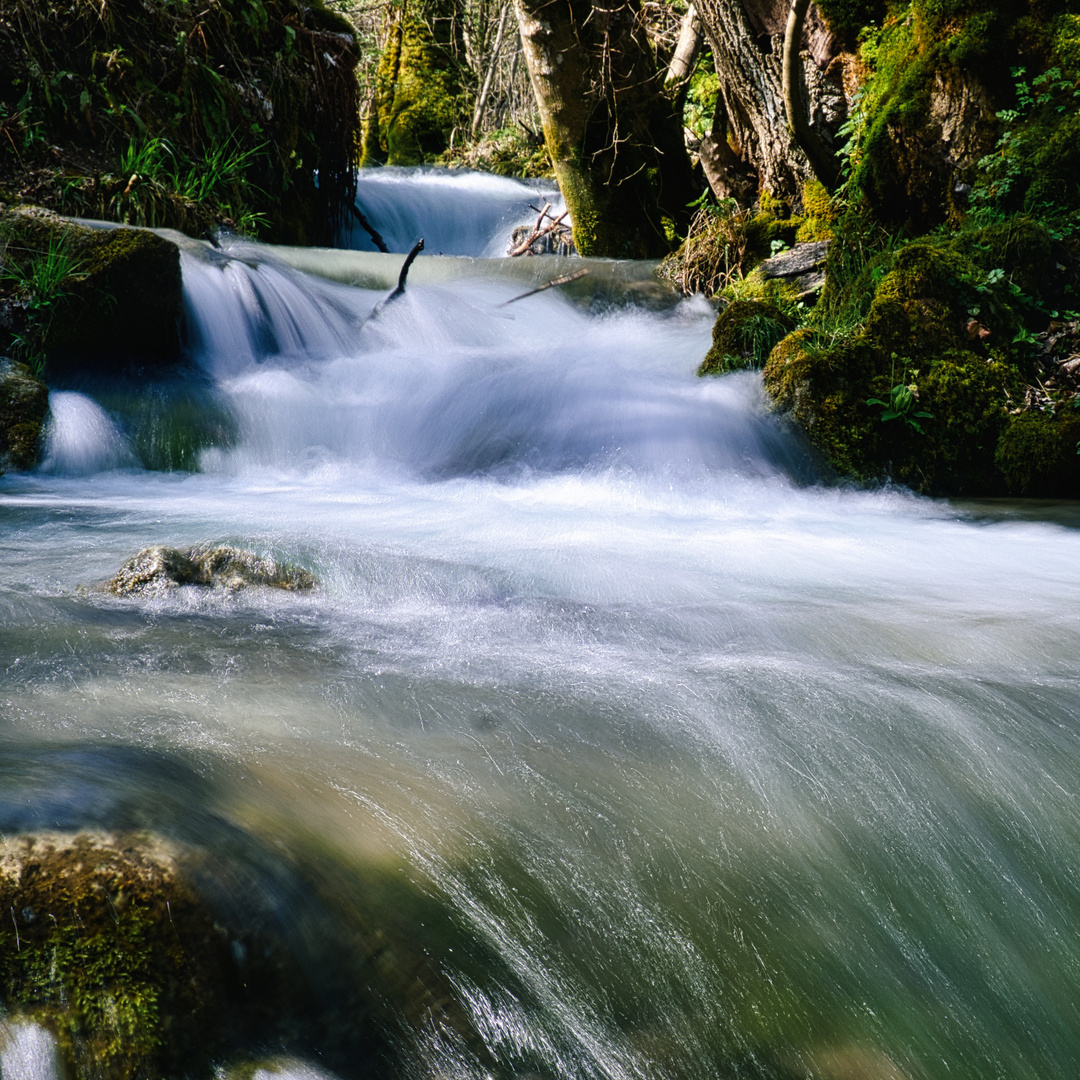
(135, 955)
(159, 568)
(24, 404)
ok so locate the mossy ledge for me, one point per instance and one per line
(120, 299)
(957, 381)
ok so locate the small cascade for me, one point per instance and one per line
(451, 380)
(82, 437)
(456, 211)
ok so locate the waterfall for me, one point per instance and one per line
(456, 211)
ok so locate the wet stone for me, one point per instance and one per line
(158, 569)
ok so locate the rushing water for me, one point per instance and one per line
(684, 764)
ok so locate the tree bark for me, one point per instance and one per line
(822, 159)
(747, 42)
(615, 145)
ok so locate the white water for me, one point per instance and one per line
(455, 211)
(711, 770)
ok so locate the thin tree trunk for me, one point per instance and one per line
(616, 149)
(493, 61)
(821, 157)
(677, 80)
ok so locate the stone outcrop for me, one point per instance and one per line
(159, 569)
(24, 404)
(121, 300)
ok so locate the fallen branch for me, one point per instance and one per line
(547, 285)
(366, 225)
(400, 290)
(416, 249)
(539, 233)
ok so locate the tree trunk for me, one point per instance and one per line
(821, 157)
(615, 145)
(747, 43)
(691, 36)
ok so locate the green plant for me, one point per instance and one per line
(903, 404)
(41, 281)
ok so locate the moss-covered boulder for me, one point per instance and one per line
(160, 569)
(1038, 454)
(743, 336)
(24, 404)
(944, 384)
(94, 296)
(112, 949)
(418, 97)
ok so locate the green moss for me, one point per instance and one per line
(820, 213)
(419, 98)
(1066, 42)
(846, 18)
(744, 334)
(944, 319)
(820, 388)
(99, 957)
(968, 396)
(24, 404)
(1037, 454)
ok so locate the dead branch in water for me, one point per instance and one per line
(539, 230)
(547, 285)
(400, 290)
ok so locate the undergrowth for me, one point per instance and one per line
(241, 112)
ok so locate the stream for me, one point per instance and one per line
(668, 756)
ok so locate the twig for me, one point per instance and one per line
(366, 225)
(547, 285)
(377, 310)
(538, 232)
(416, 249)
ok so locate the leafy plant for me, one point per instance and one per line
(902, 405)
(41, 281)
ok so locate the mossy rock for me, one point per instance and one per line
(24, 404)
(1039, 454)
(161, 569)
(828, 392)
(967, 396)
(744, 334)
(822, 389)
(113, 951)
(418, 98)
(122, 300)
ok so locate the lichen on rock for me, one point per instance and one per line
(159, 569)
